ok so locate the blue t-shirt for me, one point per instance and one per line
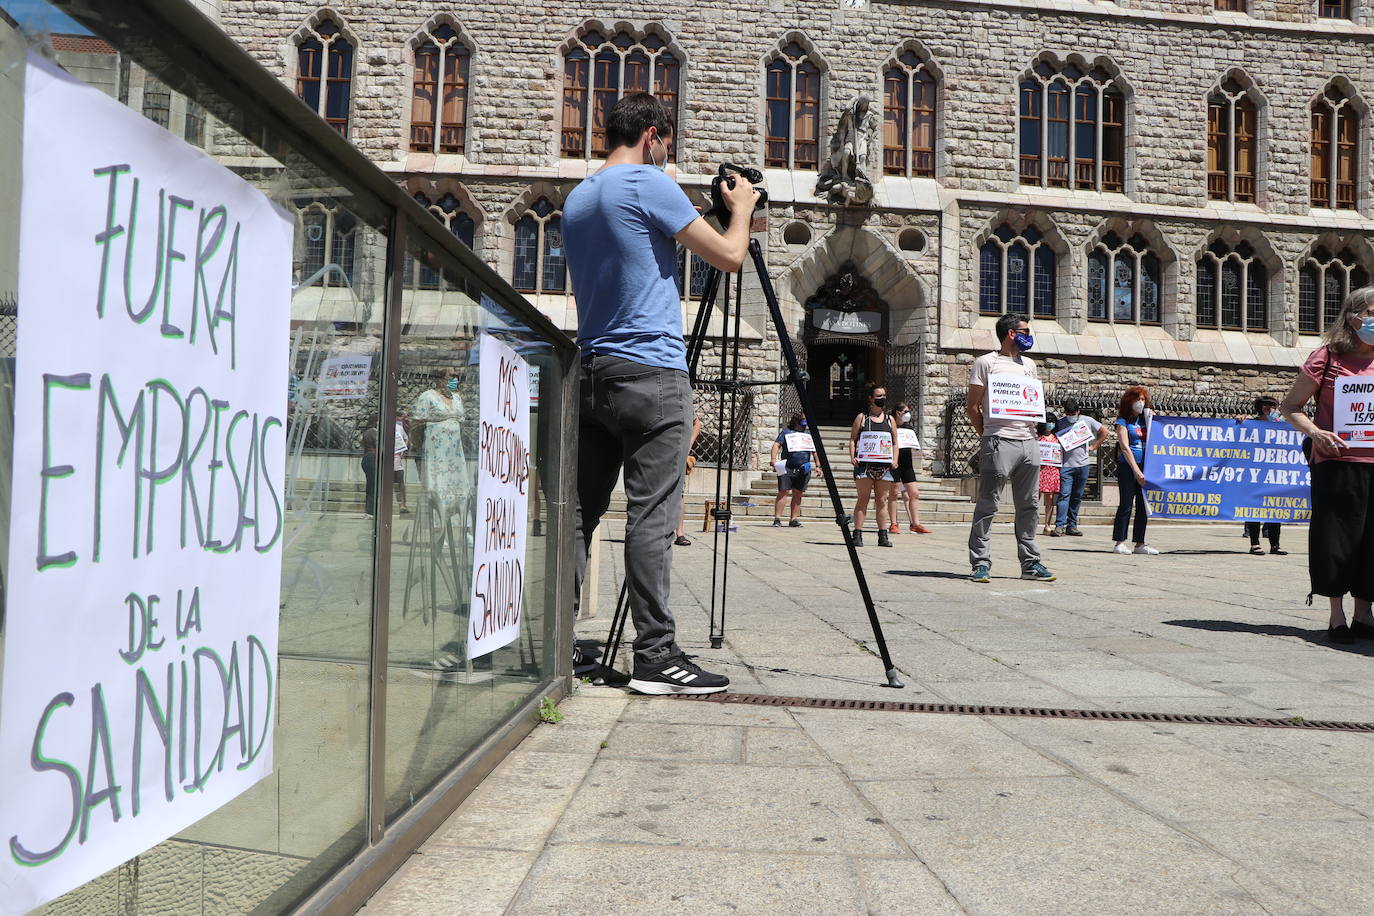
(1135, 435)
(618, 226)
(797, 462)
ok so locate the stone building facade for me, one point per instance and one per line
(1175, 190)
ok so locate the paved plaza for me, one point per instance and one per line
(634, 805)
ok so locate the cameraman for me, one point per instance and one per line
(635, 401)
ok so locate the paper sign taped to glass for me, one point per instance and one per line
(148, 504)
(1209, 469)
(873, 446)
(1015, 397)
(503, 479)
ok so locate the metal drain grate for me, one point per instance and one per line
(1031, 712)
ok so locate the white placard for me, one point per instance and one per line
(906, 438)
(1075, 435)
(1353, 418)
(140, 672)
(503, 473)
(344, 377)
(1016, 397)
(874, 446)
(799, 442)
(1051, 453)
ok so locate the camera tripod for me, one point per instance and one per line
(729, 384)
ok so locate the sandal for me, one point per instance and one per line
(1257, 550)
(683, 541)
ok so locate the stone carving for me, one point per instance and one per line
(844, 177)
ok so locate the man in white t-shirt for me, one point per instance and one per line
(1005, 401)
(1073, 476)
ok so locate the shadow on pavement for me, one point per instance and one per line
(1316, 637)
(927, 573)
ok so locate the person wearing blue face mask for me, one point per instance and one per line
(621, 228)
(1005, 402)
(793, 467)
(1340, 538)
(1266, 408)
(445, 472)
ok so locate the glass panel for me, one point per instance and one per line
(806, 144)
(1333, 294)
(1123, 287)
(605, 93)
(1256, 298)
(440, 702)
(1230, 293)
(1085, 136)
(1044, 282)
(555, 261)
(895, 84)
(526, 254)
(1245, 151)
(340, 85)
(990, 279)
(309, 59)
(575, 72)
(1097, 286)
(923, 124)
(454, 115)
(1321, 156)
(1206, 293)
(425, 89)
(1309, 310)
(1018, 278)
(1030, 131)
(1057, 139)
(1149, 289)
(779, 126)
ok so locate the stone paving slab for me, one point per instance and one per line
(654, 805)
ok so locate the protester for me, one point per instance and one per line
(873, 435)
(1088, 434)
(682, 540)
(621, 227)
(1266, 408)
(400, 447)
(794, 471)
(368, 439)
(446, 476)
(1050, 452)
(1340, 549)
(1007, 450)
(905, 488)
(1133, 416)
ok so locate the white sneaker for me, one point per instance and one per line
(1145, 549)
(1121, 549)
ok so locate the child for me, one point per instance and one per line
(1051, 458)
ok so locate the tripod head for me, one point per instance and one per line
(726, 175)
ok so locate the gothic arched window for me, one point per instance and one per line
(1072, 128)
(449, 211)
(1231, 153)
(1335, 150)
(794, 110)
(1324, 280)
(909, 117)
(1232, 289)
(540, 263)
(439, 92)
(328, 233)
(597, 71)
(1016, 273)
(324, 73)
(1123, 281)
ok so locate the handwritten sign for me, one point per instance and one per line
(1016, 397)
(874, 447)
(344, 377)
(1354, 410)
(503, 473)
(140, 673)
(1051, 453)
(906, 438)
(799, 442)
(1075, 435)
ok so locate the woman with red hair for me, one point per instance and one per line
(1132, 429)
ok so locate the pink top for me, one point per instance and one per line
(1324, 370)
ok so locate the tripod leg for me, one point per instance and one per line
(617, 631)
(841, 519)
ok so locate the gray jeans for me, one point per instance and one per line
(1000, 461)
(638, 417)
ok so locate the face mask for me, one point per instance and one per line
(452, 384)
(904, 418)
(661, 166)
(1138, 406)
(880, 402)
(803, 424)
(1272, 415)
(1366, 331)
(1024, 341)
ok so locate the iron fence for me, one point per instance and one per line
(960, 442)
(714, 408)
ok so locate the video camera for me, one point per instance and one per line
(726, 175)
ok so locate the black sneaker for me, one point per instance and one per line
(777, 523)
(795, 523)
(675, 674)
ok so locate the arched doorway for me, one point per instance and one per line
(846, 341)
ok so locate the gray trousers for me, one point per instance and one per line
(638, 417)
(1000, 461)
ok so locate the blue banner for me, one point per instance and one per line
(1212, 470)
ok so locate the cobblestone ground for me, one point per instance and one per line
(636, 805)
